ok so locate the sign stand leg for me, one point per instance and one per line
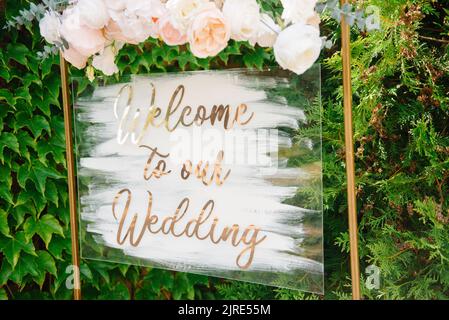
(71, 178)
(350, 167)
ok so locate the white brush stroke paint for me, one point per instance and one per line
(247, 197)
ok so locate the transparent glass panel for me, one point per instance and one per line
(215, 172)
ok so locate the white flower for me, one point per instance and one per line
(267, 32)
(182, 11)
(298, 10)
(150, 10)
(244, 18)
(129, 24)
(49, 27)
(298, 47)
(115, 4)
(86, 41)
(105, 61)
(92, 13)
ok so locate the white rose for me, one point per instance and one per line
(298, 10)
(150, 10)
(105, 61)
(49, 27)
(115, 4)
(298, 47)
(133, 27)
(93, 13)
(267, 32)
(182, 11)
(244, 18)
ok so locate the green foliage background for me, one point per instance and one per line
(401, 113)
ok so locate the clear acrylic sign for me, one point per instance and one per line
(214, 172)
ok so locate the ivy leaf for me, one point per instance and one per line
(38, 124)
(25, 142)
(118, 292)
(4, 74)
(19, 53)
(30, 78)
(38, 173)
(5, 272)
(26, 266)
(57, 246)
(5, 193)
(53, 85)
(84, 270)
(52, 146)
(19, 212)
(46, 66)
(7, 96)
(45, 264)
(8, 140)
(186, 58)
(13, 246)
(45, 227)
(51, 192)
(24, 94)
(4, 227)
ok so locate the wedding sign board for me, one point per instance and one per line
(214, 172)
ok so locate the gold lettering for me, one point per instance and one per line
(199, 228)
(174, 116)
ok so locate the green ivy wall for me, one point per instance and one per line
(401, 119)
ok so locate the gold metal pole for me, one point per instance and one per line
(350, 166)
(70, 177)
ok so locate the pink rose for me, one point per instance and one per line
(171, 35)
(114, 32)
(208, 33)
(75, 58)
(86, 41)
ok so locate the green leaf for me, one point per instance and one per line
(13, 246)
(37, 173)
(45, 263)
(20, 211)
(5, 193)
(53, 85)
(8, 140)
(7, 96)
(52, 146)
(4, 74)
(19, 53)
(26, 265)
(5, 272)
(84, 270)
(38, 124)
(58, 245)
(4, 227)
(23, 93)
(51, 192)
(25, 142)
(45, 227)
(30, 78)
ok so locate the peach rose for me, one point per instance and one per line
(208, 33)
(75, 58)
(171, 35)
(85, 40)
(114, 32)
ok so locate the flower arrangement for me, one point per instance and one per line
(91, 32)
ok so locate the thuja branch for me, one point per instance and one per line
(434, 39)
